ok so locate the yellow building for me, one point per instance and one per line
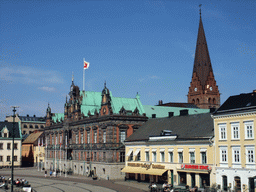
(235, 143)
(177, 149)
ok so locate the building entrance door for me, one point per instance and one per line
(224, 183)
(252, 184)
(237, 184)
(193, 180)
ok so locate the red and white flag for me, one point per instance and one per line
(86, 65)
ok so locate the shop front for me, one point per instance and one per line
(194, 175)
(146, 172)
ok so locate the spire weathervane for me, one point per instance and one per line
(200, 9)
(72, 76)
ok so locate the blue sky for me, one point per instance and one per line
(140, 46)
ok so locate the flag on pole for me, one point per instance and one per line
(86, 65)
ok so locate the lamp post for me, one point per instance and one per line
(13, 124)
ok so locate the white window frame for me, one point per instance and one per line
(190, 157)
(95, 135)
(147, 155)
(179, 159)
(235, 131)
(88, 137)
(250, 125)
(223, 149)
(250, 155)
(122, 136)
(82, 138)
(201, 153)
(154, 156)
(162, 156)
(223, 131)
(170, 154)
(236, 155)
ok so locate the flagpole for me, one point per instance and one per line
(38, 141)
(84, 78)
(60, 155)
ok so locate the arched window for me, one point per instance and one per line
(31, 126)
(42, 126)
(213, 101)
(36, 126)
(197, 101)
(193, 101)
(25, 126)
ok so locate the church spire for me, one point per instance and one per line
(202, 62)
(203, 91)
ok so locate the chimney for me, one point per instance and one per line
(153, 115)
(171, 114)
(183, 112)
(160, 102)
(27, 115)
(254, 91)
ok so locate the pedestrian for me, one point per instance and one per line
(45, 173)
(50, 173)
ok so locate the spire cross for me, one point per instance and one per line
(200, 9)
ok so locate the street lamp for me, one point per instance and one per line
(13, 123)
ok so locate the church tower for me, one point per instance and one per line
(203, 91)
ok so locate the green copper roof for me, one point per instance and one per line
(91, 101)
(58, 116)
(162, 111)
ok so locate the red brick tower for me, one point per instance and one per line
(203, 90)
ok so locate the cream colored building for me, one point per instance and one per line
(178, 149)
(235, 143)
(6, 144)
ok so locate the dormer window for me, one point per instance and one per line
(5, 132)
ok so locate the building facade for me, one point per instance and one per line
(203, 90)
(235, 143)
(176, 149)
(28, 123)
(6, 136)
(88, 138)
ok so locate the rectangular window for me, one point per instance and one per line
(162, 156)
(250, 155)
(138, 157)
(236, 155)
(147, 156)
(8, 158)
(8, 145)
(95, 156)
(122, 156)
(82, 138)
(104, 136)
(154, 156)
(14, 158)
(130, 157)
(15, 145)
(223, 155)
(192, 157)
(180, 157)
(122, 136)
(1, 146)
(222, 132)
(88, 137)
(203, 157)
(170, 157)
(1, 158)
(52, 140)
(56, 140)
(235, 130)
(95, 136)
(248, 126)
(77, 138)
(5, 134)
(61, 139)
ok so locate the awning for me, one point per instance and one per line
(136, 152)
(129, 152)
(144, 171)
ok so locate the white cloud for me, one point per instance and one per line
(28, 75)
(48, 89)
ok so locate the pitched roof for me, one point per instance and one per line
(32, 118)
(185, 105)
(9, 126)
(242, 102)
(186, 127)
(163, 111)
(202, 62)
(32, 138)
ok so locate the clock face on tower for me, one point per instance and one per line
(210, 88)
(195, 89)
(104, 110)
